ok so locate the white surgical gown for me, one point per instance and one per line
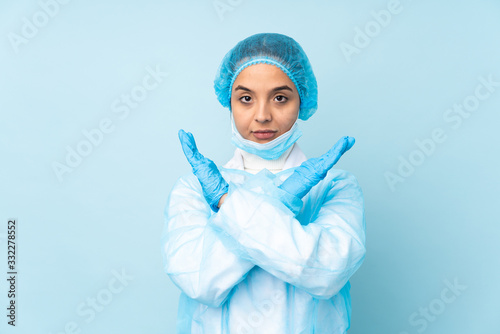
(258, 265)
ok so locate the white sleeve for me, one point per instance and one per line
(193, 256)
(318, 256)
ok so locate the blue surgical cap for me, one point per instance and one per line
(270, 48)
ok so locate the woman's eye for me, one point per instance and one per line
(281, 98)
(245, 98)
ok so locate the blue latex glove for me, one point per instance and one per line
(313, 170)
(211, 180)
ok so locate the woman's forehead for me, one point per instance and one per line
(262, 76)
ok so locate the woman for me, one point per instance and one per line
(266, 243)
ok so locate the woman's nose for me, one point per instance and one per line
(263, 113)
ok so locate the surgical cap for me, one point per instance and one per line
(270, 48)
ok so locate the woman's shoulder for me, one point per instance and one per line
(187, 179)
(341, 174)
(341, 180)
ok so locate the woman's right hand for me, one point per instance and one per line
(213, 184)
(313, 170)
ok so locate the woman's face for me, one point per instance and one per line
(265, 103)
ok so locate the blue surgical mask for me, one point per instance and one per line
(270, 150)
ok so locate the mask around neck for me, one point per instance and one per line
(270, 150)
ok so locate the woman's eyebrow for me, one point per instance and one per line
(282, 88)
(273, 90)
(242, 88)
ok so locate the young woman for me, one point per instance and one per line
(267, 242)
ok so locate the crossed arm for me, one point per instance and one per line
(206, 254)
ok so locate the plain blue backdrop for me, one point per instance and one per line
(92, 95)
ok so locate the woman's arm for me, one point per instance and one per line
(221, 201)
(193, 256)
(319, 257)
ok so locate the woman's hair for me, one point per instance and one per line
(271, 48)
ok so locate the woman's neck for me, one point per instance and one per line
(254, 164)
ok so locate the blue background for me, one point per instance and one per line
(437, 224)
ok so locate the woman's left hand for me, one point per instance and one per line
(213, 184)
(313, 170)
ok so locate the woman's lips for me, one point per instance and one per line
(266, 134)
